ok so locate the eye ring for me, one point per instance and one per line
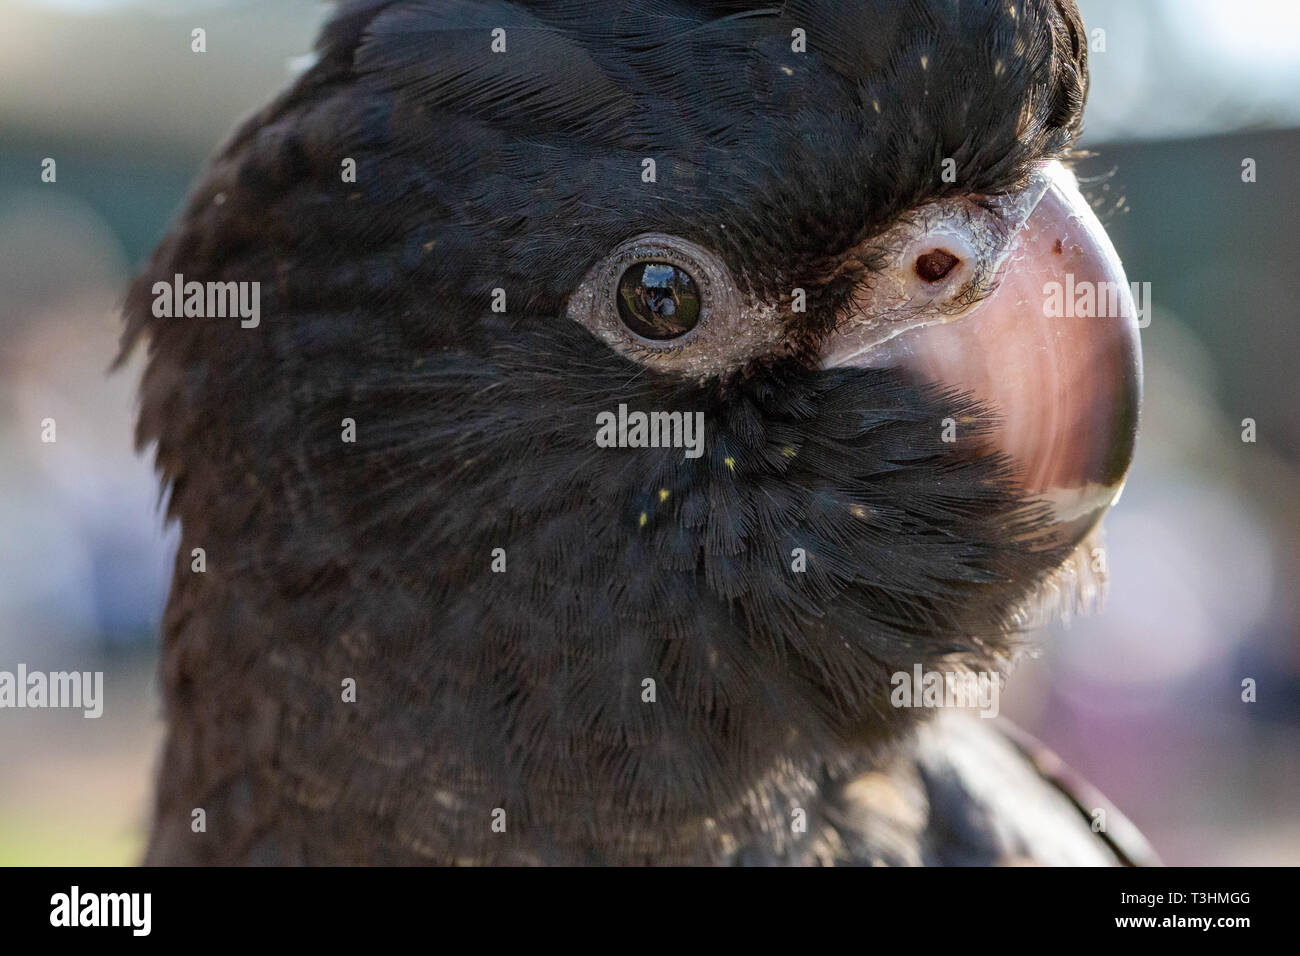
(698, 274)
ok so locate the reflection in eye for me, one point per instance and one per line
(658, 300)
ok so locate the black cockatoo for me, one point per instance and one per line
(421, 612)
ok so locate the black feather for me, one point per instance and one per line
(475, 431)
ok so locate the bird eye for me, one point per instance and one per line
(935, 264)
(658, 300)
(657, 293)
(671, 304)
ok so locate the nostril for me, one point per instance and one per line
(935, 264)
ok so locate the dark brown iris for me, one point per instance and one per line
(658, 300)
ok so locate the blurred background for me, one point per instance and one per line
(1145, 700)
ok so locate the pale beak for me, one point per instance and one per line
(1053, 352)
